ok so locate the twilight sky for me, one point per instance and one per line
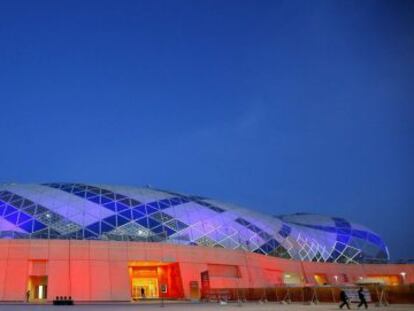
(280, 106)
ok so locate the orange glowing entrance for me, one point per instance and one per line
(144, 288)
(37, 288)
(152, 280)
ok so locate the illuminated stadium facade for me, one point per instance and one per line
(117, 243)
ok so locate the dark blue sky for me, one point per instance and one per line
(281, 106)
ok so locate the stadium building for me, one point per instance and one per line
(117, 243)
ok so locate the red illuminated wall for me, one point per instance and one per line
(98, 270)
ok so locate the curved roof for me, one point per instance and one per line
(105, 212)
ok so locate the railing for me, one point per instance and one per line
(309, 294)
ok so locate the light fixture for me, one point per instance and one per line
(403, 275)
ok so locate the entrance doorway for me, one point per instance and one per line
(153, 280)
(37, 288)
(144, 288)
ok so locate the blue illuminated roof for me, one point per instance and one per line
(104, 212)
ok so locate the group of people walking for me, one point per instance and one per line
(345, 299)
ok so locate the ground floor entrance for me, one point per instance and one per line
(153, 280)
(37, 288)
(144, 288)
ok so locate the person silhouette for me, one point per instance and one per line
(142, 292)
(344, 299)
(362, 300)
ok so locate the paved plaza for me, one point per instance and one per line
(191, 306)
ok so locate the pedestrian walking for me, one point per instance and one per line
(362, 300)
(344, 299)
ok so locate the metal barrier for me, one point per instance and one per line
(378, 294)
